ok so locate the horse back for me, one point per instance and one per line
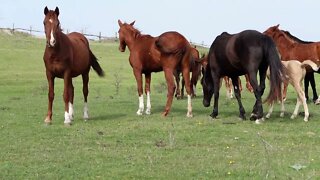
(80, 53)
(230, 54)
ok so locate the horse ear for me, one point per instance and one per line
(120, 23)
(57, 11)
(277, 26)
(132, 23)
(46, 10)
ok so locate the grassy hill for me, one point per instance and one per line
(117, 144)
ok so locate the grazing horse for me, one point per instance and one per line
(244, 53)
(295, 72)
(66, 56)
(168, 52)
(291, 48)
(195, 68)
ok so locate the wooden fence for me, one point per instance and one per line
(35, 32)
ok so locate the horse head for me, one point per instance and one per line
(273, 31)
(126, 31)
(51, 26)
(207, 86)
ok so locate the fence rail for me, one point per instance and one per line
(32, 31)
(98, 37)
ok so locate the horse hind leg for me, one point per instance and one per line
(71, 98)
(85, 90)
(147, 91)
(168, 72)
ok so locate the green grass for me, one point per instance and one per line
(117, 144)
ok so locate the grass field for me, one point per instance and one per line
(117, 144)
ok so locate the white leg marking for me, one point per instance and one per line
(71, 112)
(67, 119)
(194, 90)
(85, 112)
(141, 106)
(189, 113)
(148, 111)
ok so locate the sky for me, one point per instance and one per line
(199, 21)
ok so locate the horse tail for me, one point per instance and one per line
(95, 65)
(276, 71)
(309, 63)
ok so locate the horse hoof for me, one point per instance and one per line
(268, 116)
(67, 124)
(47, 123)
(139, 113)
(259, 121)
(148, 112)
(189, 115)
(305, 120)
(213, 116)
(165, 113)
(317, 102)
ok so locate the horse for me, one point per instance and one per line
(195, 68)
(295, 72)
(243, 53)
(290, 48)
(66, 56)
(168, 52)
(309, 77)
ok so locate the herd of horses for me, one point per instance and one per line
(275, 54)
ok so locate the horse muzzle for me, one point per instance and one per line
(206, 103)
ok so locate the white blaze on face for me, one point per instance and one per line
(52, 41)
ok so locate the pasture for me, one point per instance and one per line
(117, 144)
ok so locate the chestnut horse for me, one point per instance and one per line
(291, 49)
(244, 53)
(168, 52)
(195, 68)
(66, 56)
(309, 77)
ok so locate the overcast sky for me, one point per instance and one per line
(199, 20)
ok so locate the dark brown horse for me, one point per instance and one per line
(290, 48)
(150, 54)
(195, 68)
(247, 52)
(66, 56)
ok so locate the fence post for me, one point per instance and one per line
(13, 28)
(99, 36)
(30, 30)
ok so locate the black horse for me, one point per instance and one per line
(309, 75)
(244, 53)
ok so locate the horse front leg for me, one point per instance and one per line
(235, 83)
(138, 76)
(85, 91)
(216, 82)
(168, 73)
(186, 77)
(147, 91)
(66, 97)
(50, 78)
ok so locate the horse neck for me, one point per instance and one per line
(283, 43)
(132, 39)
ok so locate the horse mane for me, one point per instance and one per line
(295, 38)
(135, 30)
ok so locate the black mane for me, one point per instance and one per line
(296, 39)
